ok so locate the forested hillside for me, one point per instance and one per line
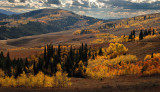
(2, 16)
(42, 21)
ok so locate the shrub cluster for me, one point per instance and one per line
(40, 80)
(101, 67)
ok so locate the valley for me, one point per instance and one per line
(57, 50)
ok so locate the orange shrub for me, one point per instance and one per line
(101, 68)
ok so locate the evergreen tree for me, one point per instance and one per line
(71, 53)
(26, 65)
(19, 67)
(59, 54)
(35, 68)
(1, 56)
(141, 35)
(149, 31)
(8, 65)
(45, 54)
(152, 55)
(100, 52)
(134, 33)
(130, 37)
(144, 17)
(1, 60)
(93, 56)
(153, 32)
(69, 65)
(81, 51)
(89, 53)
(40, 65)
(145, 33)
(85, 53)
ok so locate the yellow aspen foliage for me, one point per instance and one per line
(61, 79)
(22, 80)
(8, 82)
(2, 73)
(59, 68)
(80, 71)
(39, 80)
(116, 49)
(49, 81)
(147, 57)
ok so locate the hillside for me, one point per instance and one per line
(125, 26)
(7, 12)
(2, 16)
(42, 21)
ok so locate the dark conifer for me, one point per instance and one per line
(100, 52)
(149, 31)
(145, 33)
(45, 54)
(19, 67)
(134, 33)
(141, 35)
(26, 63)
(144, 17)
(89, 53)
(153, 32)
(35, 68)
(93, 56)
(8, 65)
(59, 54)
(1, 56)
(152, 55)
(85, 55)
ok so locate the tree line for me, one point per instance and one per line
(143, 33)
(72, 60)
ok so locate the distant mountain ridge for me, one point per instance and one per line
(2, 16)
(7, 12)
(42, 21)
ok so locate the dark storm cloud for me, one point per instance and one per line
(85, 4)
(11, 1)
(54, 2)
(132, 5)
(23, 1)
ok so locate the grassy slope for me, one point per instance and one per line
(124, 26)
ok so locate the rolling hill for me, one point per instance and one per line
(2, 16)
(125, 26)
(7, 12)
(42, 21)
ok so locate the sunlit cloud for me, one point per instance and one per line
(105, 9)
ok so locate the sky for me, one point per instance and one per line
(103, 9)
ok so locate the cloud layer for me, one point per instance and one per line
(106, 9)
